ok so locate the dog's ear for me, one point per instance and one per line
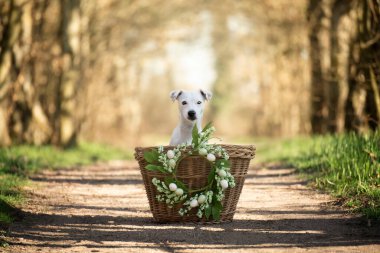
(207, 95)
(175, 94)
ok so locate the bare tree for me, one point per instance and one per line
(319, 22)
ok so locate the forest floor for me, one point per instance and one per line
(103, 208)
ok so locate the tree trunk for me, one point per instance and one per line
(342, 28)
(15, 72)
(10, 17)
(370, 45)
(318, 18)
(23, 119)
(354, 107)
(363, 103)
(66, 127)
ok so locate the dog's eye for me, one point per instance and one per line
(199, 102)
(184, 103)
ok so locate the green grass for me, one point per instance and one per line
(347, 166)
(18, 162)
(273, 150)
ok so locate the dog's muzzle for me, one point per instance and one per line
(191, 115)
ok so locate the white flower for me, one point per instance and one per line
(170, 154)
(222, 173)
(172, 187)
(211, 157)
(224, 184)
(172, 163)
(179, 192)
(202, 151)
(194, 203)
(201, 199)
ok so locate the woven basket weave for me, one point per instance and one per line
(193, 171)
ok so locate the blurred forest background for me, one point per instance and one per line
(101, 70)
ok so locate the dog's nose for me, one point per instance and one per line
(191, 114)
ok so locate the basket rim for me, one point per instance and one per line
(223, 145)
(234, 150)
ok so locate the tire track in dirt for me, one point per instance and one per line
(103, 208)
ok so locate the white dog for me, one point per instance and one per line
(191, 105)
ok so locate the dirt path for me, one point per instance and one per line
(103, 208)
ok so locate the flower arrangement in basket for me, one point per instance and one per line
(164, 185)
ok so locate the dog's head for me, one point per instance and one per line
(191, 103)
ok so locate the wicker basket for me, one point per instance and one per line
(193, 171)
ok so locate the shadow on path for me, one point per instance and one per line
(95, 230)
(69, 224)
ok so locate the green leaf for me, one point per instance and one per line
(218, 204)
(207, 126)
(151, 156)
(181, 185)
(211, 175)
(169, 180)
(216, 213)
(217, 208)
(208, 212)
(195, 135)
(155, 168)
